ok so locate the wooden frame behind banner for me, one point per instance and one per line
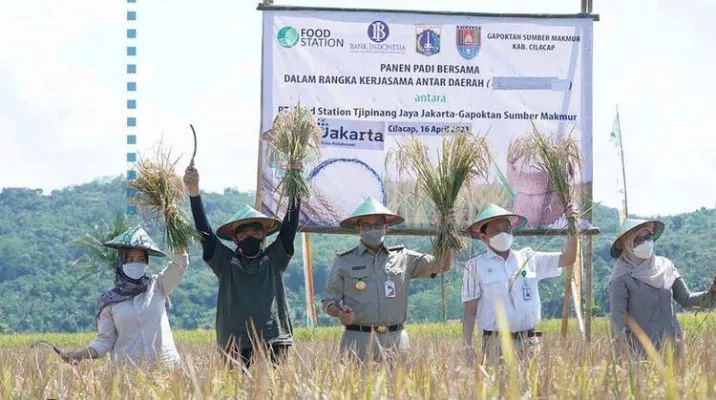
(573, 283)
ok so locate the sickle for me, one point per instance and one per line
(46, 344)
(193, 132)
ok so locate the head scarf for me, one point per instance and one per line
(657, 272)
(125, 288)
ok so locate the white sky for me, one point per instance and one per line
(62, 90)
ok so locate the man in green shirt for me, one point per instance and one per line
(252, 312)
(367, 288)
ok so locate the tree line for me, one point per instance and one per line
(40, 292)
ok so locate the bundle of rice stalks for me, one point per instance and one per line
(295, 138)
(558, 157)
(462, 157)
(709, 301)
(159, 191)
(99, 258)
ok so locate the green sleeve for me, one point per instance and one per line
(221, 259)
(278, 256)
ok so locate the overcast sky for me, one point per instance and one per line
(62, 98)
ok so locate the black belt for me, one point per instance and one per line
(516, 335)
(378, 329)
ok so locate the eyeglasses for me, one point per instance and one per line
(643, 238)
(373, 226)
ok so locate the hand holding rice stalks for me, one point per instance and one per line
(709, 300)
(558, 157)
(462, 157)
(294, 138)
(159, 191)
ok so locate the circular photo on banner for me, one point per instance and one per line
(345, 182)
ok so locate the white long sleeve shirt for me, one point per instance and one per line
(138, 330)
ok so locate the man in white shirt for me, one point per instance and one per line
(509, 277)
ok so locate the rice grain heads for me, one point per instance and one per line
(160, 191)
(461, 157)
(559, 157)
(295, 138)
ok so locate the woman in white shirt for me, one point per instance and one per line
(132, 321)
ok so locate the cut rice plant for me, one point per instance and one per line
(99, 258)
(557, 156)
(709, 300)
(160, 191)
(462, 157)
(295, 138)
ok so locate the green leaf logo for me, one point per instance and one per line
(287, 37)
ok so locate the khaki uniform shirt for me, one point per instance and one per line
(374, 305)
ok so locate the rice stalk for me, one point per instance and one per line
(462, 157)
(708, 302)
(503, 180)
(557, 156)
(295, 138)
(98, 257)
(665, 370)
(160, 191)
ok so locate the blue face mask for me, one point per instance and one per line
(372, 237)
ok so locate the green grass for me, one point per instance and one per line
(690, 322)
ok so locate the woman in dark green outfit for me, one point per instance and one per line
(252, 312)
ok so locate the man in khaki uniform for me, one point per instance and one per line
(367, 288)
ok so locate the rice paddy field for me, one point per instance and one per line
(435, 369)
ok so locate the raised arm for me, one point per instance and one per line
(289, 226)
(208, 237)
(173, 273)
(569, 255)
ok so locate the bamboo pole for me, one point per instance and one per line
(448, 261)
(588, 300)
(577, 288)
(260, 161)
(442, 295)
(567, 298)
(311, 316)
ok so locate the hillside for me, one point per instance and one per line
(38, 293)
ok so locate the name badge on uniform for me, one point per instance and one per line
(389, 289)
(526, 291)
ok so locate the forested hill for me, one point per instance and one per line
(39, 293)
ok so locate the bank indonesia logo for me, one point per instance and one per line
(468, 40)
(378, 31)
(287, 37)
(427, 39)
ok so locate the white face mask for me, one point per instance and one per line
(644, 250)
(501, 242)
(372, 237)
(134, 270)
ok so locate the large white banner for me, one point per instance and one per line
(372, 77)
